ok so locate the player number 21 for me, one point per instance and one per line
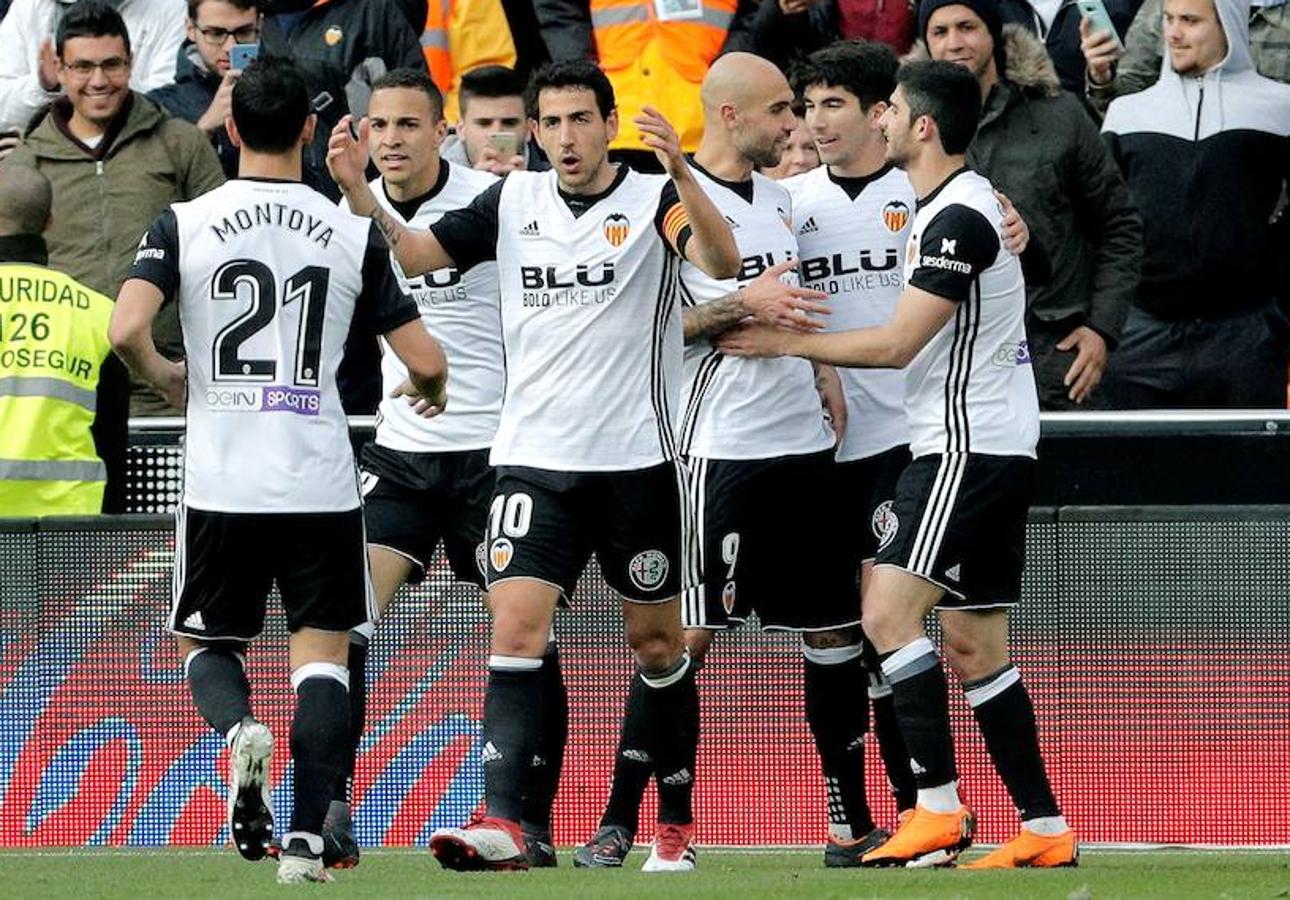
(309, 286)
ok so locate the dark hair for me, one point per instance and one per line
(575, 73)
(949, 94)
(244, 5)
(489, 81)
(90, 18)
(415, 80)
(270, 104)
(865, 68)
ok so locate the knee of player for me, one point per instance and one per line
(657, 651)
(832, 640)
(698, 641)
(969, 659)
(884, 626)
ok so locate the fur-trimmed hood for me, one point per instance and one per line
(1029, 66)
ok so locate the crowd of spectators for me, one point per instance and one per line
(1151, 166)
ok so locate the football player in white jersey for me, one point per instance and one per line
(587, 257)
(427, 482)
(270, 277)
(958, 541)
(759, 454)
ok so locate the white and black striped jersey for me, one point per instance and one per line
(972, 388)
(591, 322)
(461, 311)
(851, 234)
(270, 276)
(736, 408)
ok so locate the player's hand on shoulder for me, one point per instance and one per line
(1013, 231)
(425, 406)
(772, 301)
(659, 135)
(347, 155)
(751, 339)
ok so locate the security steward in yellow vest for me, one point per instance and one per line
(53, 343)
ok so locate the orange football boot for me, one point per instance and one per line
(926, 839)
(1032, 851)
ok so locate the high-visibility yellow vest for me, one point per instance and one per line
(53, 340)
(659, 62)
(461, 35)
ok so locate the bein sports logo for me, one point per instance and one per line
(1010, 355)
(274, 398)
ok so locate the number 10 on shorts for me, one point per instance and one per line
(508, 517)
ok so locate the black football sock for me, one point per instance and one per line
(837, 711)
(513, 711)
(319, 737)
(1006, 718)
(891, 744)
(670, 708)
(359, 640)
(633, 763)
(217, 681)
(921, 697)
(544, 771)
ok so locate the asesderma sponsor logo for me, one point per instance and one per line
(273, 398)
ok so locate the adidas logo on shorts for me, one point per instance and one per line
(195, 622)
(489, 753)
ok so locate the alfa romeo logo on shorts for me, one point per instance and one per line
(884, 523)
(648, 569)
(500, 554)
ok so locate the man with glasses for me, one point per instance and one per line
(204, 72)
(29, 67)
(116, 160)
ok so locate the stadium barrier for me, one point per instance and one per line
(1154, 640)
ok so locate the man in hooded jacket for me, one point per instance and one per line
(1206, 153)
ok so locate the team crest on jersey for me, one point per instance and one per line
(728, 597)
(617, 226)
(884, 523)
(648, 569)
(500, 554)
(333, 36)
(895, 215)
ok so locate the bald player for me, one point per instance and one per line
(759, 458)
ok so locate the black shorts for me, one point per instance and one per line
(770, 542)
(545, 525)
(412, 501)
(868, 486)
(960, 523)
(226, 563)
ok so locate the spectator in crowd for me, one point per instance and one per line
(1206, 151)
(203, 88)
(116, 160)
(655, 54)
(462, 35)
(799, 155)
(785, 29)
(54, 406)
(1057, 23)
(29, 65)
(1113, 72)
(492, 103)
(340, 47)
(1036, 143)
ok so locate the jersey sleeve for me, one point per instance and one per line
(469, 235)
(382, 306)
(957, 245)
(157, 259)
(672, 221)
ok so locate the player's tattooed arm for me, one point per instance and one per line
(767, 299)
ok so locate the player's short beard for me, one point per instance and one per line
(764, 155)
